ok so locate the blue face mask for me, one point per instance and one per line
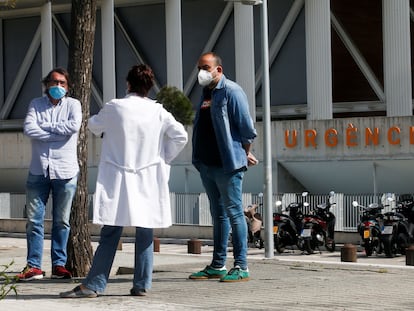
(57, 92)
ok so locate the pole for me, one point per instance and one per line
(267, 155)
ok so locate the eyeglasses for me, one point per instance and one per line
(63, 82)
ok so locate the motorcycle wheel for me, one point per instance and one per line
(368, 248)
(279, 245)
(402, 242)
(258, 243)
(261, 244)
(330, 246)
(300, 244)
(308, 246)
(378, 246)
(390, 248)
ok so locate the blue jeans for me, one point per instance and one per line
(38, 189)
(224, 191)
(103, 259)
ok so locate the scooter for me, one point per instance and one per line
(254, 225)
(287, 227)
(370, 227)
(316, 227)
(405, 205)
(395, 235)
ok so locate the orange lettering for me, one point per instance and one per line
(331, 137)
(310, 136)
(351, 136)
(371, 137)
(294, 136)
(394, 135)
(411, 135)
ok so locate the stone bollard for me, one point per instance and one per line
(156, 245)
(348, 253)
(409, 256)
(194, 246)
(119, 247)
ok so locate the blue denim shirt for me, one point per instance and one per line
(53, 131)
(232, 124)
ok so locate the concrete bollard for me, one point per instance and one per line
(348, 253)
(194, 246)
(156, 245)
(409, 256)
(119, 247)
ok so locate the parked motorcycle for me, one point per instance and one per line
(318, 228)
(370, 227)
(395, 232)
(287, 227)
(405, 206)
(254, 225)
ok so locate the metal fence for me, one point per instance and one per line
(193, 208)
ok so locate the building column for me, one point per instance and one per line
(397, 57)
(2, 94)
(318, 59)
(174, 43)
(46, 38)
(108, 51)
(244, 52)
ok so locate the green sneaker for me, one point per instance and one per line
(209, 273)
(236, 274)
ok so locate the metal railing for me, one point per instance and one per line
(193, 208)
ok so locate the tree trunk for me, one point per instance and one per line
(83, 23)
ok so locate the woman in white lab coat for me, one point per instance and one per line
(139, 140)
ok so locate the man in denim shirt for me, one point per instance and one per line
(222, 135)
(52, 123)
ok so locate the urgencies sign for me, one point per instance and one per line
(368, 137)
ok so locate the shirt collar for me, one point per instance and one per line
(221, 82)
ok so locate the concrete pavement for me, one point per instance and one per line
(289, 281)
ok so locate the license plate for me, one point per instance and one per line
(306, 233)
(275, 229)
(387, 230)
(366, 234)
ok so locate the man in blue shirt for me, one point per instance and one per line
(52, 123)
(222, 136)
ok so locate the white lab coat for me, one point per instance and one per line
(140, 139)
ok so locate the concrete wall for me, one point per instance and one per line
(355, 164)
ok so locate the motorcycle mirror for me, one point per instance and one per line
(304, 194)
(355, 204)
(260, 194)
(278, 203)
(306, 204)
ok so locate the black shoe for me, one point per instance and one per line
(138, 292)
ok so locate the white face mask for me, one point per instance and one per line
(205, 77)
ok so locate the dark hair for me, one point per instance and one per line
(140, 79)
(59, 70)
(216, 57)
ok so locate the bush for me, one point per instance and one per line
(8, 283)
(175, 101)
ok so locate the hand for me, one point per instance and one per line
(251, 159)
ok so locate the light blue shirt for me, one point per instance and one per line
(53, 131)
(232, 124)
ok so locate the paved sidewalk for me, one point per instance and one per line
(289, 281)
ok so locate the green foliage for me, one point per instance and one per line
(177, 103)
(8, 283)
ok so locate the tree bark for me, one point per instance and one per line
(83, 24)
